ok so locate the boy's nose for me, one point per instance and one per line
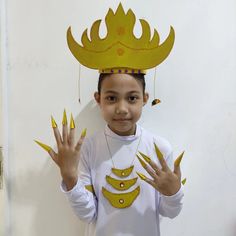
(121, 108)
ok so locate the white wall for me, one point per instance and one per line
(4, 222)
(197, 114)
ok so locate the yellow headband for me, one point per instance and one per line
(120, 51)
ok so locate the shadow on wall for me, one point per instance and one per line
(53, 215)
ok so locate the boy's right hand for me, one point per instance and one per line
(68, 154)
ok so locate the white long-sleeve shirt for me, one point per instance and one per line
(142, 217)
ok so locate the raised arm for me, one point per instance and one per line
(71, 161)
(165, 181)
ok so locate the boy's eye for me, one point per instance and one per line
(111, 98)
(133, 98)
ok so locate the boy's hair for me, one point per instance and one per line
(140, 77)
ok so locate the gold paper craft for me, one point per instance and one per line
(90, 188)
(121, 184)
(179, 159)
(122, 172)
(72, 122)
(141, 176)
(184, 181)
(64, 120)
(44, 146)
(142, 162)
(53, 123)
(120, 51)
(83, 134)
(145, 157)
(121, 200)
(158, 152)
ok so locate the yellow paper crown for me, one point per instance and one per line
(120, 51)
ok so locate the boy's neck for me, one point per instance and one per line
(128, 133)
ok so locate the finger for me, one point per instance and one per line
(64, 128)
(147, 168)
(71, 138)
(56, 132)
(54, 156)
(151, 163)
(177, 170)
(80, 142)
(50, 151)
(146, 179)
(161, 158)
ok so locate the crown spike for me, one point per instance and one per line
(115, 21)
(120, 10)
(94, 32)
(132, 20)
(84, 39)
(110, 13)
(146, 32)
(155, 39)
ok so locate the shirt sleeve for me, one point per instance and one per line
(82, 201)
(170, 206)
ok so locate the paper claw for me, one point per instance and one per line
(141, 176)
(83, 134)
(158, 152)
(64, 120)
(156, 101)
(141, 162)
(53, 123)
(44, 146)
(90, 188)
(72, 122)
(183, 181)
(179, 159)
(145, 157)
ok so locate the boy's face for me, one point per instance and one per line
(121, 101)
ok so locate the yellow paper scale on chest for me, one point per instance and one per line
(121, 200)
(122, 172)
(121, 184)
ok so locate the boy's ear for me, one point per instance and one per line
(145, 98)
(97, 97)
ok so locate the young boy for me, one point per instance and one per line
(100, 174)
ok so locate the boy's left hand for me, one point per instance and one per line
(164, 180)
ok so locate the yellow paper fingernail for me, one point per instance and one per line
(141, 162)
(44, 146)
(179, 159)
(184, 181)
(72, 122)
(145, 157)
(53, 122)
(64, 120)
(83, 134)
(142, 177)
(158, 152)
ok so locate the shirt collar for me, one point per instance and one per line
(111, 134)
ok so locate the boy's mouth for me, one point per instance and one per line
(122, 119)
